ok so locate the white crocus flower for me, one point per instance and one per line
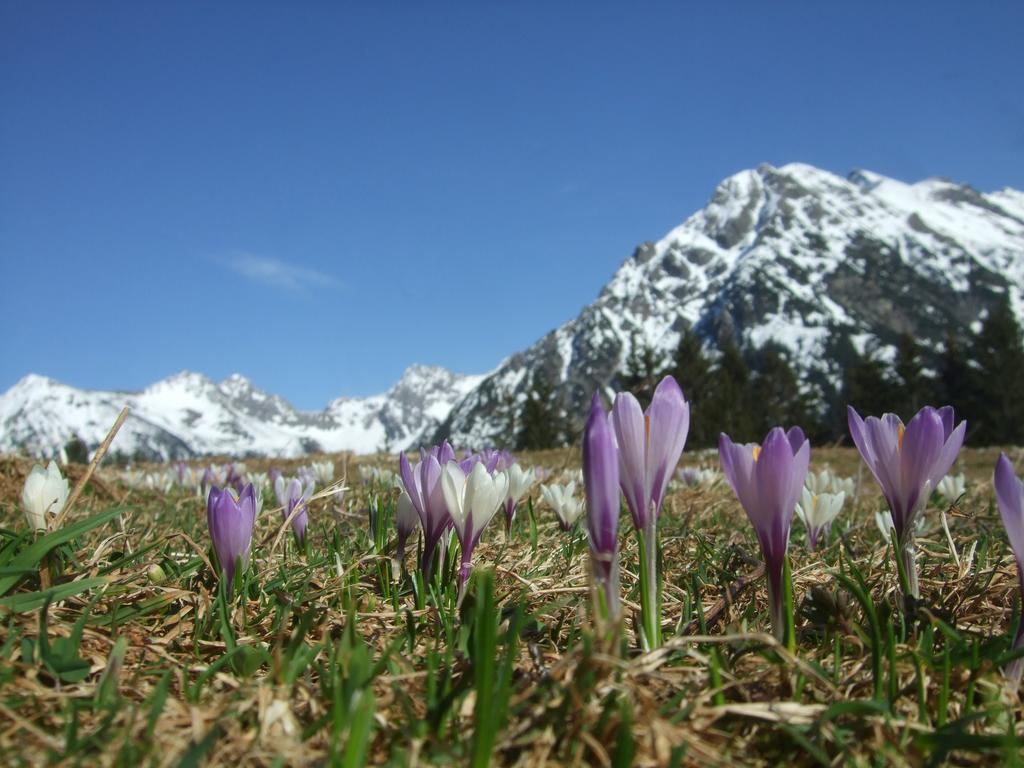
(259, 480)
(44, 494)
(843, 485)
(133, 478)
(697, 476)
(572, 476)
(952, 487)
(407, 519)
(818, 482)
(817, 511)
(159, 481)
(323, 471)
(472, 502)
(885, 525)
(519, 483)
(562, 499)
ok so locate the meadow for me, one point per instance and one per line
(118, 646)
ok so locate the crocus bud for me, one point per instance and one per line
(519, 482)
(292, 493)
(601, 484)
(44, 494)
(767, 480)
(406, 521)
(650, 445)
(952, 486)
(562, 499)
(422, 482)
(231, 520)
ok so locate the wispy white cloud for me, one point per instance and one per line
(277, 273)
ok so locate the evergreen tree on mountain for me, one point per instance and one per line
(999, 354)
(692, 370)
(508, 413)
(913, 390)
(957, 382)
(867, 387)
(775, 392)
(642, 370)
(730, 407)
(542, 424)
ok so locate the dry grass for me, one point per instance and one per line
(721, 692)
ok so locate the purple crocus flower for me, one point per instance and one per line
(468, 462)
(443, 453)
(493, 459)
(1010, 497)
(208, 479)
(505, 460)
(406, 521)
(292, 493)
(650, 445)
(767, 480)
(601, 485)
(423, 484)
(306, 475)
(231, 519)
(233, 477)
(908, 462)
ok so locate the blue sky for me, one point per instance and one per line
(318, 195)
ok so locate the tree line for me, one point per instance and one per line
(744, 392)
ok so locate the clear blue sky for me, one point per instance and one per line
(317, 195)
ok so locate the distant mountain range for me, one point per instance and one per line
(189, 415)
(824, 265)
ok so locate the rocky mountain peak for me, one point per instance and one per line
(795, 255)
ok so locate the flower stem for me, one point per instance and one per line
(650, 586)
(1015, 668)
(605, 575)
(780, 602)
(906, 564)
(789, 614)
(463, 580)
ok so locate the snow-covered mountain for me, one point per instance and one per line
(821, 264)
(188, 414)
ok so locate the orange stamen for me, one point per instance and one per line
(899, 439)
(757, 451)
(647, 428)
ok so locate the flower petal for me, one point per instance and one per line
(601, 480)
(1010, 498)
(669, 419)
(631, 438)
